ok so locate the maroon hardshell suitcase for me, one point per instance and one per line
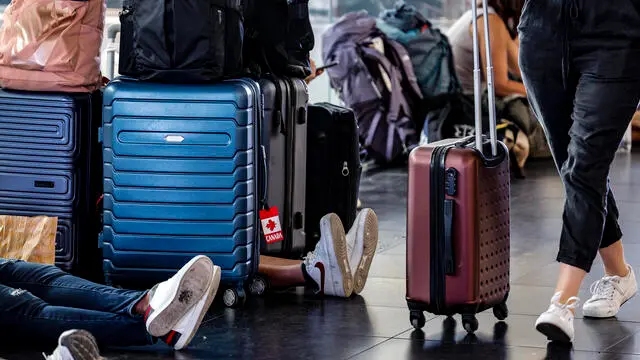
(458, 232)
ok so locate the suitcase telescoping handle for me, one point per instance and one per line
(477, 80)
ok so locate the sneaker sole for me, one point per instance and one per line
(553, 333)
(370, 244)
(608, 316)
(211, 294)
(193, 286)
(82, 345)
(340, 251)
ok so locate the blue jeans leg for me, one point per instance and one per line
(39, 302)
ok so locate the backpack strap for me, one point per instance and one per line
(397, 119)
(395, 103)
(406, 66)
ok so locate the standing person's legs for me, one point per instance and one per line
(602, 107)
(551, 94)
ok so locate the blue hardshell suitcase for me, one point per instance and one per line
(50, 164)
(181, 170)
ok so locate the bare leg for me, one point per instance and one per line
(142, 305)
(282, 272)
(569, 281)
(613, 259)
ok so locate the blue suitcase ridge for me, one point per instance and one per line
(180, 178)
(49, 165)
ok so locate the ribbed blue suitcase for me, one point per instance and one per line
(181, 177)
(50, 164)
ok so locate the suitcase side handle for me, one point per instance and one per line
(449, 260)
(265, 171)
(477, 85)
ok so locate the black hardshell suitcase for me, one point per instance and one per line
(333, 167)
(51, 164)
(285, 141)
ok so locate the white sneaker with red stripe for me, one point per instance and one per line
(328, 265)
(171, 300)
(183, 332)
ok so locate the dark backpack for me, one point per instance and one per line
(186, 41)
(381, 89)
(428, 48)
(278, 37)
(453, 119)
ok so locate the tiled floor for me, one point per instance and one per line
(376, 325)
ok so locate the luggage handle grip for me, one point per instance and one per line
(477, 80)
(449, 261)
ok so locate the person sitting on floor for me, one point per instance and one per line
(511, 94)
(41, 302)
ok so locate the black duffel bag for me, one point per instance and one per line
(278, 37)
(181, 41)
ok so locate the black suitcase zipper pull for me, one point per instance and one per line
(345, 169)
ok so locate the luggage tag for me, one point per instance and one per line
(271, 228)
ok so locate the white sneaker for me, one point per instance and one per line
(76, 345)
(557, 322)
(169, 301)
(362, 241)
(328, 264)
(183, 332)
(609, 294)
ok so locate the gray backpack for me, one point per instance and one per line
(381, 89)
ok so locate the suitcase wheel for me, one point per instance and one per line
(470, 323)
(417, 319)
(259, 286)
(234, 297)
(501, 311)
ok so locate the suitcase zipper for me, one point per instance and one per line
(436, 289)
(440, 262)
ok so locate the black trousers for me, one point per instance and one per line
(580, 61)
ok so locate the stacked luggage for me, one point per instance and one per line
(196, 148)
(50, 163)
(206, 136)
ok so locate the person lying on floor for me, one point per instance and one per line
(38, 302)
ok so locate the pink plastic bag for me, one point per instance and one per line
(52, 45)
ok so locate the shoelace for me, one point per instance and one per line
(309, 259)
(605, 288)
(571, 303)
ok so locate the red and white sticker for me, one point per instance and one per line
(271, 225)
